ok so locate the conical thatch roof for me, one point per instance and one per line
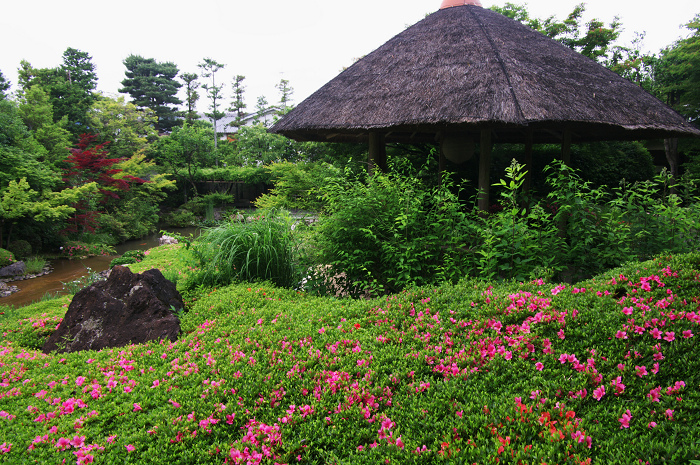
(466, 67)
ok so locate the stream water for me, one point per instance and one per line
(31, 290)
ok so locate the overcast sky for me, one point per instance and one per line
(307, 42)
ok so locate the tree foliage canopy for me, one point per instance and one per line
(152, 84)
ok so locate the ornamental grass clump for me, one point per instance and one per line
(258, 248)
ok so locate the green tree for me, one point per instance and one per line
(70, 87)
(184, 151)
(20, 153)
(209, 69)
(592, 39)
(128, 129)
(19, 201)
(191, 86)
(4, 86)
(37, 113)
(238, 105)
(260, 108)
(677, 77)
(285, 96)
(152, 84)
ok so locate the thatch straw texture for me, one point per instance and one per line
(463, 68)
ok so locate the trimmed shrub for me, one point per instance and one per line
(129, 257)
(20, 248)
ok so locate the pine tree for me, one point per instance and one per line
(191, 86)
(152, 84)
(237, 105)
(209, 69)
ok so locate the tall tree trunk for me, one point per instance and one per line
(671, 149)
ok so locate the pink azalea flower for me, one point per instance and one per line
(621, 335)
(399, 443)
(625, 420)
(130, 448)
(670, 336)
(652, 424)
(5, 447)
(599, 393)
(62, 443)
(687, 334)
(78, 441)
(655, 333)
(641, 370)
(539, 366)
(137, 408)
(669, 414)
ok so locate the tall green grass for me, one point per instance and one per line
(259, 248)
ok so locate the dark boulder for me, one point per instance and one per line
(16, 269)
(125, 309)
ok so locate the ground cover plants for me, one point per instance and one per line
(606, 370)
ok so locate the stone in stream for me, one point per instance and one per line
(125, 309)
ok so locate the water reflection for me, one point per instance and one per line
(32, 290)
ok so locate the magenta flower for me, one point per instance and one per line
(137, 408)
(399, 443)
(670, 336)
(652, 424)
(62, 443)
(539, 366)
(625, 420)
(669, 414)
(687, 334)
(599, 393)
(130, 448)
(654, 394)
(641, 370)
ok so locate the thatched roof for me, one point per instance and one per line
(465, 67)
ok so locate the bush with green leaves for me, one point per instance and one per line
(257, 248)
(20, 248)
(392, 231)
(297, 185)
(6, 257)
(127, 258)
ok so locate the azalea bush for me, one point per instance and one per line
(602, 371)
(6, 257)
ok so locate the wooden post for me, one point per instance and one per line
(566, 147)
(377, 152)
(528, 161)
(442, 164)
(484, 169)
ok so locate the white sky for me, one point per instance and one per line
(307, 42)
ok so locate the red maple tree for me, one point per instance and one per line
(91, 163)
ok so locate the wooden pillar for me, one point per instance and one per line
(442, 164)
(484, 169)
(566, 147)
(377, 152)
(528, 161)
